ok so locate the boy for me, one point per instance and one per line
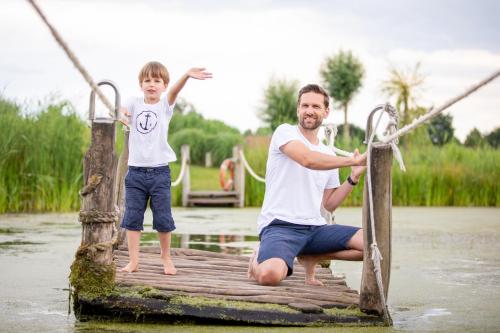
(149, 155)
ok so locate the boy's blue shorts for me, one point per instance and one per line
(141, 184)
(286, 240)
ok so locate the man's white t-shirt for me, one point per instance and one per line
(294, 193)
(148, 146)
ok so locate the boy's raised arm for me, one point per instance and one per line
(198, 73)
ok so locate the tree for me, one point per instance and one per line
(280, 103)
(493, 138)
(440, 129)
(342, 75)
(404, 85)
(474, 139)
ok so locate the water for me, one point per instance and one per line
(445, 269)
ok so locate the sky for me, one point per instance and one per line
(245, 44)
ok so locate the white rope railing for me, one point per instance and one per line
(181, 174)
(74, 60)
(249, 169)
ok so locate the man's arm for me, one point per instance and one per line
(333, 197)
(195, 73)
(310, 159)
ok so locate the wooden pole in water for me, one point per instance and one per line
(381, 161)
(239, 176)
(186, 180)
(93, 270)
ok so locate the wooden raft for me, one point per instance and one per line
(213, 287)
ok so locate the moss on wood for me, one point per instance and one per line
(91, 279)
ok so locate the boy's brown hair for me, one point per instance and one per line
(154, 69)
(315, 89)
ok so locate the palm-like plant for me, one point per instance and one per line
(404, 85)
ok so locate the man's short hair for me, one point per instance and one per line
(154, 69)
(315, 89)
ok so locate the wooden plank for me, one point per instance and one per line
(212, 194)
(212, 201)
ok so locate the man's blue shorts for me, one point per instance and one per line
(286, 240)
(142, 184)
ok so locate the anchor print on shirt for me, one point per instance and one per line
(146, 122)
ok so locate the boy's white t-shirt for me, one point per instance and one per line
(148, 146)
(294, 193)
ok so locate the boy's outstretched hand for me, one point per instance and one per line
(199, 73)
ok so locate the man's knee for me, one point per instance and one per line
(270, 277)
(271, 272)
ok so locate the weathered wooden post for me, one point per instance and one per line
(93, 271)
(381, 162)
(239, 176)
(121, 172)
(186, 180)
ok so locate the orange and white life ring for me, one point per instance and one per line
(227, 185)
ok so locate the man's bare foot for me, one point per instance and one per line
(309, 263)
(252, 263)
(168, 265)
(130, 268)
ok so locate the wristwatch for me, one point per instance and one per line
(352, 182)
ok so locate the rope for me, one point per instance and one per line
(330, 133)
(249, 169)
(181, 174)
(434, 112)
(74, 59)
(376, 255)
(95, 216)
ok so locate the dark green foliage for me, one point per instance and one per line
(280, 103)
(203, 135)
(354, 132)
(493, 138)
(440, 129)
(474, 139)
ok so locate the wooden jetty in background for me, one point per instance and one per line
(210, 287)
(233, 198)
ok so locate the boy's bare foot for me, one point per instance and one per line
(309, 263)
(168, 265)
(252, 263)
(130, 268)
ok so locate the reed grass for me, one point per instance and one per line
(452, 175)
(42, 152)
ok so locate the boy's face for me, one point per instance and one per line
(153, 87)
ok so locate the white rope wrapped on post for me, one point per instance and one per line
(181, 174)
(74, 60)
(249, 169)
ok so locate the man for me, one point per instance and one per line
(301, 175)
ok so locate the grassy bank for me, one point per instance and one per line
(42, 153)
(452, 175)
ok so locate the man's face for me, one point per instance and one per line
(311, 110)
